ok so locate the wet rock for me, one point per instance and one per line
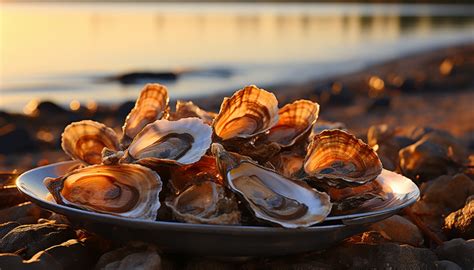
(15, 139)
(461, 223)
(399, 229)
(71, 255)
(458, 251)
(447, 265)
(134, 256)
(10, 196)
(22, 213)
(7, 227)
(435, 154)
(383, 256)
(30, 239)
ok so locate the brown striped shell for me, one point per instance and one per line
(151, 105)
(126, 190)
(295, 119)
(249, 112)
(185, 109)
(341, 159)
(85, 140)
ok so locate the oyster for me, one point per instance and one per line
(288, 163)
(205, 203)
(186, 109)
(126, 190)
(204, 170)
(84, 140)
(270, 196)
(249, 112)
(174, 142)
(340, 159)
(295, 119)
(323, 125)
(151, 105)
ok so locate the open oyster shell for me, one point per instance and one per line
(84, 141)
(270, 196)
(205, 203)
(174, 142)
(295, 119)
(185, 109)
(249, 112)
(126, 190)
(340, 159)
(151, 105)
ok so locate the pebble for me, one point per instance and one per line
(7, 227)
(22, 213)
(15, 139)
(461, 222)
(447, 265)
(27, 240)
(458, 251)
(133, 256)
(399, 229)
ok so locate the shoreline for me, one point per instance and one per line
(414, 92)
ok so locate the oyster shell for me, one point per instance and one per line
(205, 203)
(295, 119)
(288, 163)
(126, 190)
(185, 109)
(84, 140)
(270, 196)
(174, 142)
(204, 170)
(151, 105)
(249, 112)
(323, 125)
(340, 159)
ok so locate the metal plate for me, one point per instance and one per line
(220, 240)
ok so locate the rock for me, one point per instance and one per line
(461, 223)
(22, 213)
(144, 77)
(459, 251)
(70, 255)
(50, 108)
(447, 265)
(379, 103)
(124, 109)
(134, 256)
(14, 139)
(7, 227)
(10, 196)
(334, 93)
(8, 178)
(435, 154)
(30, 239)
(399, 229)
(383, 256)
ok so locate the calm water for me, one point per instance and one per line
(61, 52)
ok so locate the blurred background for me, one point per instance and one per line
(366, 63)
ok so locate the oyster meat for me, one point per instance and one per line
(249, 112)
(339, 159)
(151, 105)
(127, 190)
(270, 196)
(85, 140)
(174, 142)
(205, 203)
(295, 119)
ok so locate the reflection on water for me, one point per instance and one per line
(58, 51)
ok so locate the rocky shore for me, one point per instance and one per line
(417, 111)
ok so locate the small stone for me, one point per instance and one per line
(461, 222)
(15, 139)
(447, 265)
(7, 227)
(10, 196)
(379, 104)
(459, 251)
(22, 213)
(399, 229)
(134, 256)
(71, 255)
(30, 239)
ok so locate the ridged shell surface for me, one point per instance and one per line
(295, 119)
(84, 140)
(151, 105)
(185, 109)
(341, 159)
(126, 190)
(249, 112)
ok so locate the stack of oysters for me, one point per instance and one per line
(251, 163)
